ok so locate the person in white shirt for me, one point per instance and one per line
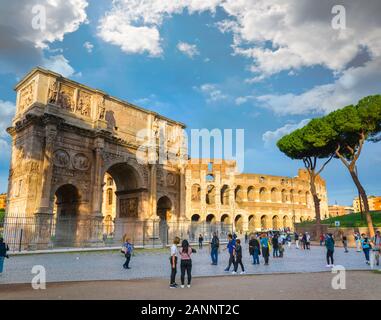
(173, 262)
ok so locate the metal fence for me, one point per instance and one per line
(30, 233)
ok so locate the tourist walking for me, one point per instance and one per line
(254, 249)
(186, 263)
(214, 247)
(288, 240)
(365, 244)
(265, 248)
(281, 246)
(376, 248)
(275, 243)
(173, 262)
(322, 238)
(246, 237)
(238, 257)
(200, 241)
(345, 243)
(308, 241)
(127, 250)
(357, 241)
(296, 237)
(230, 247)
(3, 254)
(330, 245)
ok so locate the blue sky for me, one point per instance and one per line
(264, 66)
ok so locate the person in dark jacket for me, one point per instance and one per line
(330, 245)
(3, 254)
(238, 257)
(214, 246)
(275, 243)
(254, 249)
(200, 241)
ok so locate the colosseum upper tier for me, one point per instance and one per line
(251, 202)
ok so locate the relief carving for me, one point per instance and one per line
(128, 208)
(101, 108)
(171, 179)
(84, 104)
(27, 96)
(66, 98)
(81, 162)
(61, 159)
(53, 92)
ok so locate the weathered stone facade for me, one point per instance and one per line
(74, 158)
(252, 202)
(67, 138)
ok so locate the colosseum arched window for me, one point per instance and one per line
(276, 223)
(225, 218)
(284, 196)
(274, 195)
(210, 218)
(263, 194)
(251, 193)
(225, 195)
(210, 194)
(238, 194)
(195, 218)
(239, 223)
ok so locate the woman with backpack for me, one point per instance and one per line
(365, 243)
(186, 262)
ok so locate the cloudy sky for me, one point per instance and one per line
(267, 66)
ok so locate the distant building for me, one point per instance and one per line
(374, 204)
(337, 211)
(3, 200)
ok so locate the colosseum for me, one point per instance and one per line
(250, 202)
(75, 178)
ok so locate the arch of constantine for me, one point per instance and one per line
(74, 175)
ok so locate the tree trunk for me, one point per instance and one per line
(316, 202)
(364, 199)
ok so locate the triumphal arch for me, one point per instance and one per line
(70, 143)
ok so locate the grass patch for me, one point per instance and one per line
(350, 220)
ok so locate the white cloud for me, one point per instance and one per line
(88, 46)
(212, 92)
(7, 111)
(60, 65)
(133, 25)
(22, 46)
(351, 85)
(188, 49)
(271, 137)
(242, 100)
(281, 35)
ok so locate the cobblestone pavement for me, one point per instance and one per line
(310, 286)
(155, 264)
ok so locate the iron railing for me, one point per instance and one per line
(50, 232)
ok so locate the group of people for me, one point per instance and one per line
(371, 247)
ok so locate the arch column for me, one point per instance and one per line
(98, 179)
(47, 170)
(44, 214)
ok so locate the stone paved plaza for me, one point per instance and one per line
(155, 264)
